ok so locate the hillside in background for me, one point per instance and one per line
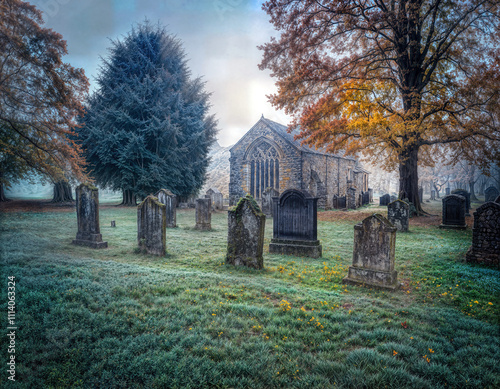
(218, 170)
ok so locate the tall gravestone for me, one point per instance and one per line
(466, 195)
(490, 193)
(385, 199)
(245, 236)
(453, 212)
(87, 215)
(351, 198)
(203, 214)
(267, 201)
(217, 198)
(373, 254)
(295, 225)
(485, 247)
(447, 191)
(398, 213)
(151, 226)
(166, 197)
(370, 195)
(421, 194)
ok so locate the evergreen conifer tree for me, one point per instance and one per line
(147, 125)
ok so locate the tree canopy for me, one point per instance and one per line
(40, 99)
(394, 80)
(147, 125)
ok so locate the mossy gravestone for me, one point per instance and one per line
(203, 214)
(398, 213)
(87, 214)
(151, 226)
(373, 254)
(170, 200)
(485, 247)
(245, 237)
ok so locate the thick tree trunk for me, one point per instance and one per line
(2, 194)
(472, 190)
(129, 198)
(408, 179)
(62, 192)
(437, 190)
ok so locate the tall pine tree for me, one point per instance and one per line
(147, 125)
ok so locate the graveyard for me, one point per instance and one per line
(120, 317)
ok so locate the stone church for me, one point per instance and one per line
(268, 156)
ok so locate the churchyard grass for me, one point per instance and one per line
(118, 318)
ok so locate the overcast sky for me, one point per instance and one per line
(220, 38)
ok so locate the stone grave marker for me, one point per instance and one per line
(170, 200)
(466, 195)
(433, 195)
(245, 236)
(295, 225)
(385, 199)
(151, 226)
(490, 193)
(267, 201)
(351, 198)
(421, 194)
(485, 247)
(447, 191)
(373, 254)
(217, 198)
(87, 215)
(398, 213)
(203, 214)
(453, 212)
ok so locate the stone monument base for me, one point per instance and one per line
(453, 226)
(90, 240)
(298, 248)
(488, 259)
(374, 278)
(203, 226)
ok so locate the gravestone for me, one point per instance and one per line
(170, 200)
(392, 198)
(421, 194)
(339, 202)
(485, 247)
(466, 195)
(398, 213)
(203, 214)
(245, 236)
(370, 194)
(453, 212)
(217, 198)
(267, 201)
(365, 198)
(490, 193)
(433, 195)
(373, 254)
(151, 226)
(447, 191)
(351, 198)
(385, 199)
(295, 225)
(87, 216)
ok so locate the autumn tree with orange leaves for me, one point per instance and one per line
(394, 79)
(40, 98)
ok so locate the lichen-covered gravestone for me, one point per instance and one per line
(151, 226)
(398, 213)
(203, 214)
(166, 197)
(245, 236)
(373, 254)
(385, 199)
(485, 247)
(490, 193)
(267, 201)
(466, 195)
(87, 214)
(217, 198)
(295, 225)
(453, 212)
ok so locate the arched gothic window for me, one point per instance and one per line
(264, 168)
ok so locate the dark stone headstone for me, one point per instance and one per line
(421, 194)
(339, 202)
(217, 198)
(485, 247)
(151, 226)
(365, 198)
(447, 191)
(370, 193)
(87, 215)
(203, 214)
(453, 212)
(113, 223)
(398, 213)
(385, 199)
(373, 254)
(466, 195)
(245, 237)
(267, 201)
(490, 193)
(351, 198)
(170, 200)
(295, 225)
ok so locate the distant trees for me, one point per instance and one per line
(392, 79)
(147, 125)
(40, 98)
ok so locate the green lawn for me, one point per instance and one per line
(116, 318)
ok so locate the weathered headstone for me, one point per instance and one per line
(245, 236)
(385, 199)
(87, 215)
(166, 197)
(398, 213)
(453, 212)
(421, 194)
(267, 201)
(351, 198)
(370, 193)
(485, 247)
(151, 226)
(373, 254)
(447, 191)
(339, 202)
(490, 193)
(392, 198)
(295, 225)
(466, 195)
(203, 214)
(217, 198)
